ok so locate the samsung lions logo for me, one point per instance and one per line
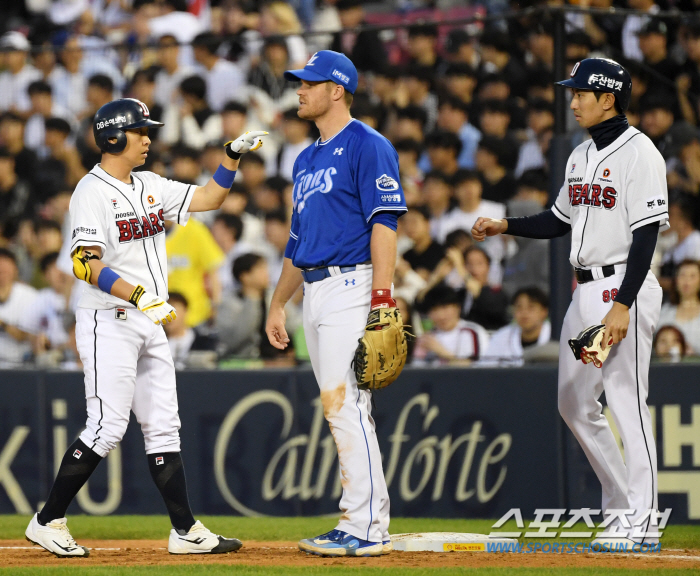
(386, 183)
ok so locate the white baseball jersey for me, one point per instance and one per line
(610, 193)
(126, 220)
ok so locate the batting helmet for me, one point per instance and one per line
(602, 75)
(112, 119)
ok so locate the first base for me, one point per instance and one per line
(444, 542)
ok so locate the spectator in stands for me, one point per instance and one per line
(193, 268)
(224, 79)
(15, 300)
(540, 126)
(652, 44)
(326, 19)
(496, 58)
(632, 25)
(656, 117)
(437, 193)
(227, 230)
(296, 138)
(209, 160)
(183, 339)
(418, 82)
(42, 108)
(422, 46)
(461, 48)
(669, 344)
(443, 150)
(62, 166)
(156, 19)
(491, 157)
(540, 43)
(412, 176)
(460, 81)
(279, 18)
(68, 81)
(484, 304)
(365, 49)
(269, 196)
(452, 341)
(236, 203)
(233, 120)
(682, 148)
(12, 139)
(690, 83)
(533, 186)
(48, 314)
(426, 253)
(17, 200)
(684, 309)
(529, 330)
(410, 123)
(277, 226)
(268, 73)
(143, 88)
(193, 123)
(171, 73)
(100, 91)
(494, 121)
(687, 247)
(18, 73)
(528, 265)
(241, 317)
(185, 165)
(47, 240)
(252, 168)
(453, 116)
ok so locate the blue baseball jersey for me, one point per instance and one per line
(339, 186)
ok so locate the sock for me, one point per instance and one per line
(78, 463)
(169, 475)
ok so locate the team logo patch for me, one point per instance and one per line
(655, 202)
(387, 183)
(606, 173)
(144, 108)
(573, 167)
(115, 204)
(77, 454)
(151, 200)
(312, 59)
(390, 197)
(120, 313)
(159, 461)
(575, 69)
(340, 76)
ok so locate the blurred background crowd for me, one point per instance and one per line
(468, 105)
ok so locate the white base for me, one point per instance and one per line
(443, 542)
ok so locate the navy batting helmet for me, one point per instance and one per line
(602, 75)
(112, 119)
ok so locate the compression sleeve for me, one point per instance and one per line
(542, 225)
(638, 262)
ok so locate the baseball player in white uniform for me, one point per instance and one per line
(118, 249)
(614, 202)
(347, 200)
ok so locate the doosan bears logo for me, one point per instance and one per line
(135, 229)
(593, 196)
(386, 183)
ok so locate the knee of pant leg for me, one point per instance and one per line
(332, 400)
(103, 441)
(162, 443)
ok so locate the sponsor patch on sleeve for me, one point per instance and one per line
(386, 183)
(655, 203)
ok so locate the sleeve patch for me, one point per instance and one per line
(655, 202)
(386, 183)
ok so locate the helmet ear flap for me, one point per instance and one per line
(103, 140)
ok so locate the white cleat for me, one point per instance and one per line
(387, 546)
(199, 540)
(55, 538)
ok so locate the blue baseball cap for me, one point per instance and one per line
(327, 65)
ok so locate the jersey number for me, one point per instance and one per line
(609, 295)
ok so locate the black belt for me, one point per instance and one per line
(583, 276)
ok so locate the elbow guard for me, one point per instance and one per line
(81, 269)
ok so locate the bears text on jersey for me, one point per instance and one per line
(594, 196)
(135, 229)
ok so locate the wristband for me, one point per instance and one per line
(107, 279)
(230, 153)
(136, 295)
(382, 299)
(224, 177)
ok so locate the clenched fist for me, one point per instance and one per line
(484, 227)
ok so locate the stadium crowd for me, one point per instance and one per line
(469, 108)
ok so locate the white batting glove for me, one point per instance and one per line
(246, 143)
(157, 309)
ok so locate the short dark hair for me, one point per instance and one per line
(39, 87)
(194, 86)
(234, 106)
(460, 69)
(455, 103)
(616, 105)
(535, 178)
(493, 105)
(47, 261)
(58, 124)
(535, 294)
(40, 225)
(208, 41)
(277, 183)
(253, 158)
(244, 264)
(9, 254)
(477, 249)
(147, 74)
(102, 81)
(178, 297)
(422, 210)
(182, 151)
(464, 175)
(423, 30)
(444, 139)
(442, 295)
(277, 216)
(409, 145)
(438, 175)
(416, 113)
(233, 223)
(276, 40)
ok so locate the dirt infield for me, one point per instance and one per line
(20, 553)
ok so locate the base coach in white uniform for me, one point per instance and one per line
(614, 202)
(118, 247)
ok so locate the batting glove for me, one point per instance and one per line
(247, 143)
(157, 309)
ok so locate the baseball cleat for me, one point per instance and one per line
(55, 538)
(199, 540)
(387, 546)
(339, 543)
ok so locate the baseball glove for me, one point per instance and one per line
(381, 352)
(587, 346)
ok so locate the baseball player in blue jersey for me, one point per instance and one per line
(342, 245)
